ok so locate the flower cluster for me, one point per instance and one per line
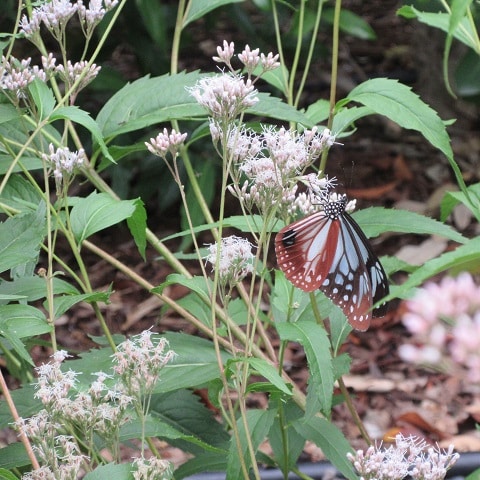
(251, 59)
(78, 71)
(138, 362)
(166, 142)
(55, 15)
(16, 75)
(408, 456)
(225, 96)
(445, 321)
(272, 163)
(101, 409)
(151, 469)
(235, 259)
(64, 163)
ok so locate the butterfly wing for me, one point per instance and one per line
(356, 279)
(305, 250)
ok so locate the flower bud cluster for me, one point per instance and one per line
(16, 75)
(55, 14)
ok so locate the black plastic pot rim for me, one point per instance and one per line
(466, 464)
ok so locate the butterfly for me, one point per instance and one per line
(328, 250)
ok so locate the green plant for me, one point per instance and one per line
(41, 147)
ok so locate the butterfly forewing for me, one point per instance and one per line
(305, 250)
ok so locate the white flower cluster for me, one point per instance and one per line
(272, 163)
(235, 259)
(64, 162)
(408, 456)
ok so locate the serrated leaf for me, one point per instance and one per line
(137, 224)
(376, 220)
(200, 8)
(8, 112)
(331, 440)
(397, 102)
(21, 237)
(97, 212)
(150, 101)
(315, 342)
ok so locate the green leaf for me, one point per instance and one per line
(20, 194)
(331, 440)
(97, 212)
(187, 414)
(269, 372)
(351, 24)
(20, 321)
(43, 98)
(83, 118)
(199, 8)
(122, 471)
(376, 220)
(23, 320)
(6, 475)
(461, 258)
(346, 117)
(206, 462)
(452, 199)
(196, 284)
(137, 224)
(12, 456)
(287, 444)
(21, 237)
(195, 363)
(397, 102)
(35, 288)
(65, 302)
(463, 31)
(259, 423)
(150, 101)
(250, 223)
(156, 427)
(318, 111)
(314, 340)
(8, 112)
(273, 107)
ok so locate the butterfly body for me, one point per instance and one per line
(328, 250)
